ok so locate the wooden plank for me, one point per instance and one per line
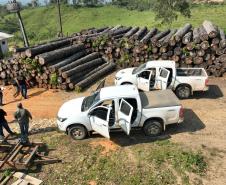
(28, 178)
(31, 155)
(15, 153)
(20, 182)
(8, 156)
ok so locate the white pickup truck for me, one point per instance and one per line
(162, 75)
(119, 107)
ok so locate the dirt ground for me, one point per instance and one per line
(203, 129)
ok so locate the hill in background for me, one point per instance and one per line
(41, 23)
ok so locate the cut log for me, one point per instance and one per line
(47, 47)
(140, 33)
(182, 31)
(210, 29)
(91, 79)
(222, 38)
(159, 36)
(67, 61)
(131, 32)
(205, 45)
(165, 40)
(196, 36)
(59, 53)
(78, 69)
(78, 62)
(149, 35)
(203, 34)
(187, 38)
(75, 81)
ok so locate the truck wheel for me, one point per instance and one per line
(126, 83)
(183, 92)
(77, 132)
(153, 128)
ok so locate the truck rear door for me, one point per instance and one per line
(124, 116)
(162, 79)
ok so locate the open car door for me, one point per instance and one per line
(162, 79)
(143, 80)
(124, 116)
(101, 85)
(99, 119)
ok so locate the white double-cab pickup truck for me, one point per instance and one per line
(164, 75)
(120, 107)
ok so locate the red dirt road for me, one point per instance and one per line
(41, 103)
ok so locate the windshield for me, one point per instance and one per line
(90, 100)
(139, 69)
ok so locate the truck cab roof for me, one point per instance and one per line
(161, 63)
(119, 91)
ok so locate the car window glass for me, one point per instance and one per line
(100, 113)
(145, 74)
(164, 73)
(125, 108)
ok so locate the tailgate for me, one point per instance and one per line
(157, 99)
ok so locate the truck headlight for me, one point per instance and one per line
(61, 119)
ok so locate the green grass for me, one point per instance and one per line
(41, 23)
(151, 163)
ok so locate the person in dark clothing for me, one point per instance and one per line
(22, 116)
(15, 83)
(3, 123)
(23, 86)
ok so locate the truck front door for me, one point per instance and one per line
(99, 119)
(162, 79)
(143, 80)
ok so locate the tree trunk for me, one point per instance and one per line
(78, 69)
(78, 62)
(210, 29)
(59, 53)
(96, 76)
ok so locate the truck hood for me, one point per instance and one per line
(71, 107)
(124, 72)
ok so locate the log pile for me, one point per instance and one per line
(77, 61)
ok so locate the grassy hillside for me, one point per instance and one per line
(41, 23)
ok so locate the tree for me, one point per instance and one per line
(35, 3)
(165, 10)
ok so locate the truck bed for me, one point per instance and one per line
(191, 72)
(157, 99)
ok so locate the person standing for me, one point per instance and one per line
(22, 115)
(15, 84)
(23, 86)
(1, 95)
(4, 124)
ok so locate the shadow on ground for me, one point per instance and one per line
(191, 124)
(214, 92)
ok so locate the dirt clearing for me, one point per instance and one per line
(203, 129)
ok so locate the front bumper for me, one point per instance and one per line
(61, 126)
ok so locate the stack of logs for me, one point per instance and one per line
(78, 61)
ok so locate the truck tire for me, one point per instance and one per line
(153, 128)
(77, 132)
(126, 83)
(183, 92)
